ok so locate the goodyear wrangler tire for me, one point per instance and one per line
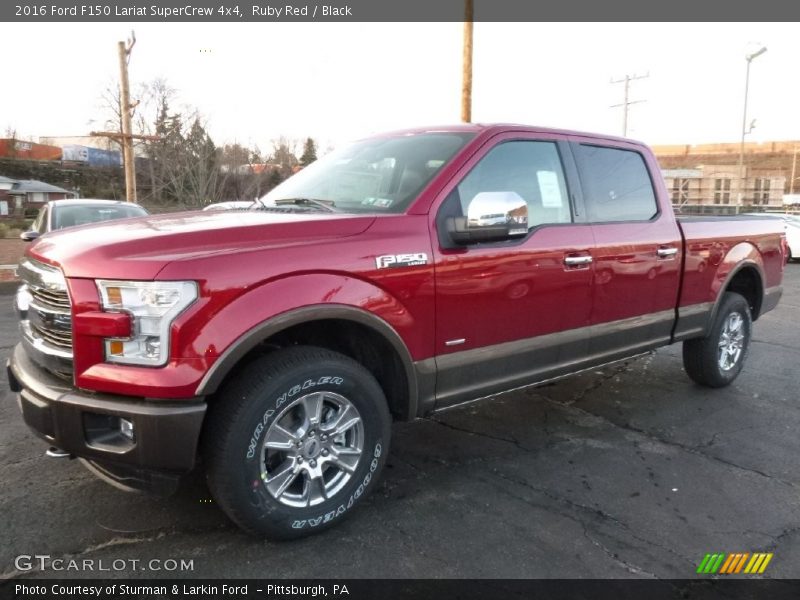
(716, 360)
(295, 441)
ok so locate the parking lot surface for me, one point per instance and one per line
(626, 471)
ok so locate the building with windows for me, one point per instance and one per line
(708, 174)
(721, 185)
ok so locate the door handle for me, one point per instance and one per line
(577, 261)
(667, 252)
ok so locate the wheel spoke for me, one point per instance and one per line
(346, 459)
(318, 491)
(282, 479)
(346, 418)
(279, 438)
(312, 404)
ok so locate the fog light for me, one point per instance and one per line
(126, 428)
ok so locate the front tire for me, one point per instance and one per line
(295, 441)
(716, 360)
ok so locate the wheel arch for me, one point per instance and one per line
(398, 368)
(745, 277)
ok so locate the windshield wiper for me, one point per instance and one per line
(327, 205)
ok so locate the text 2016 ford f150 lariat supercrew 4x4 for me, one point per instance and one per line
(401, 274)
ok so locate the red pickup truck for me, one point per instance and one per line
(399, 275)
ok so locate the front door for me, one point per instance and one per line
(512, 312)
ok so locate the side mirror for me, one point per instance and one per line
(491, 217)
(29, 236)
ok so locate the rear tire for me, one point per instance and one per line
(716, 360)
(295, 440)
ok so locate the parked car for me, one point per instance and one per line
(792, 230)
(279, 343)
(60, 214)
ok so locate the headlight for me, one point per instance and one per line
(153, 306)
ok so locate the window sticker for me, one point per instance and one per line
(379, 202)
(549, 189)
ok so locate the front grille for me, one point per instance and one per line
(53, 337)
(49, 298)
(45, 315)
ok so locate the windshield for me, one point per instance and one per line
(374, 175)
(82, 214)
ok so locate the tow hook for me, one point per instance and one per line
(54, 452)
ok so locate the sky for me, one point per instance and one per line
(254, 82)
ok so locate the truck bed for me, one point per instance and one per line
(714, 246)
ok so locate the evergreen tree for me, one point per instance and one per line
(309, 152)
(274, 178)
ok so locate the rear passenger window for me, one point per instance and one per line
(616, 184)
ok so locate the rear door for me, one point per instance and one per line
(637, 247)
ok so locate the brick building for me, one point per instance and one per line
(721, 184)
(708, 174)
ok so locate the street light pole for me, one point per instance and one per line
(749, 59)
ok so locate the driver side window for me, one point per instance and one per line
(530, 169)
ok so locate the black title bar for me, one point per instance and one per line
(701, 588)
(233, 11)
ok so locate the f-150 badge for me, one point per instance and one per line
(389, 261)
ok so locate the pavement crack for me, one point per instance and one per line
(600, 382)
(777, 539)
(507, 440)
(406, 462)
(589, 510)
(685, 447)
(630, 567)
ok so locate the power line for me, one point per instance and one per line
(626, 102)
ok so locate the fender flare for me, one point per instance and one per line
(748, 263)
(254, 336)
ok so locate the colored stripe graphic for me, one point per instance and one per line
(741, 562)
(729, 564)
(716, 566)
(734, 563)
(701, 567)
(758, 563)
(732, 559)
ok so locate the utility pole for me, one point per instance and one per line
(466, 81)
(626, 102)
(794, 170)
(125, 110)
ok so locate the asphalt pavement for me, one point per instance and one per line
(626, 471)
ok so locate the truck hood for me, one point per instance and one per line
(141, 247)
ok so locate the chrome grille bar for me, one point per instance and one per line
(45, 315)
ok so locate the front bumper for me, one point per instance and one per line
(165, 433)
